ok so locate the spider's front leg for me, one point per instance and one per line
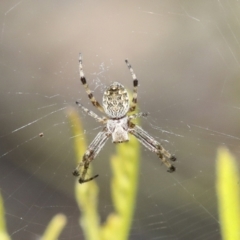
(154, 146)
(135, 85)
(92, 151)
(91, 113)
(88, 91)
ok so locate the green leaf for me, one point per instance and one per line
(125, 167)
(86, 194)
(55, 227)
(3, 229)
(228, 195)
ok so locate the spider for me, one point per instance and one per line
(116, 105)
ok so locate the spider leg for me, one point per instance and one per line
(150, 143)
(88, 91)
(92, 151)
(137, 115)
(135, 85)
(92, 114)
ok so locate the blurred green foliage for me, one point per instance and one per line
(3, 229)
(125, 165)
(228, 194)
(55, 227)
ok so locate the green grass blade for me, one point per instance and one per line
(228, 195)
(3, 229)
(125, 168)
(86, 194)
(55, 227)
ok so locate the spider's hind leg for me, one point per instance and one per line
(150, 143)
(170, 167)
(165, 152)
(81, 180)
(92, 151)
(173, 158)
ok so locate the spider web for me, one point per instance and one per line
(186, 55)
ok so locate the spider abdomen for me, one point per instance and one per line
(116, 100)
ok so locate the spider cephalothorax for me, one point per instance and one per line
(119, 129)
(116, 105)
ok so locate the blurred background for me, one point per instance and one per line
(186, 55)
